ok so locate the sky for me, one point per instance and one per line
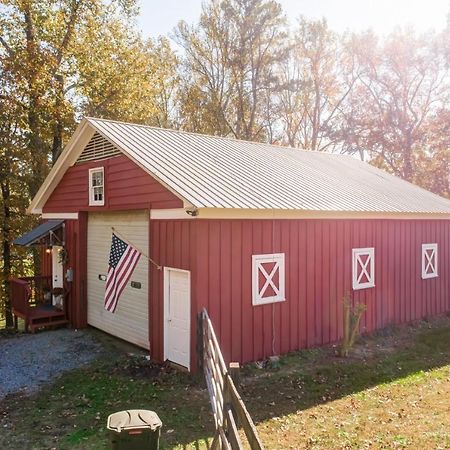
(159, 17)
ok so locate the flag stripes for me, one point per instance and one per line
(122, 261)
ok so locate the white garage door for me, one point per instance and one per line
(130, 319)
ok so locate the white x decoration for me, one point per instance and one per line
(429, 261)
(363, 266)
(259, 296)
(269, 279)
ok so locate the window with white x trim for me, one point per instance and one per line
(363, 268)
(268, 278)
(429, 261)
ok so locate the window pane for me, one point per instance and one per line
(98, 194)
(97, 179)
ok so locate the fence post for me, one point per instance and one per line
(235, 373)
(200, 341)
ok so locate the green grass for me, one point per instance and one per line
(392, 392)
(72, 413)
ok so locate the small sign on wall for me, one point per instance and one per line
(268, 279)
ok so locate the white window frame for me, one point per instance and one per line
(92, 201)
(428, 260)
(359, 268)
(257, 268)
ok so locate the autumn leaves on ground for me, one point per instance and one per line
(392, 392)
(243, 69)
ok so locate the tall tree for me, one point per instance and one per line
(60, 59)
(229, 66)
(316, 79)
(404, 80)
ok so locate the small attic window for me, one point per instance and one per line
(96, 186)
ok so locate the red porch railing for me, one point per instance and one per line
(31, 301)
(39, 286)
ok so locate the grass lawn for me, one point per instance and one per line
(393, 392)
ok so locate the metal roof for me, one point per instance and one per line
(37, 233)
(215, 172)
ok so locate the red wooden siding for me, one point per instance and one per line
(76, 244)
(46, 262)
(172, 244)
(127, 186)
(318, 274)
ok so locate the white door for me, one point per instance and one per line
(57, 270)
(130, 321)
(177, 316)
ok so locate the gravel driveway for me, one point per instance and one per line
(27, 361)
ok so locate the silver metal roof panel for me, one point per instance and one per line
(210, 171)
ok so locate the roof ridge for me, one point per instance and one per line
(212, 136)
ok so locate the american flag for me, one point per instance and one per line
(122, 260)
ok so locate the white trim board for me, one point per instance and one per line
(237, 213)
(271, 214)
(170, 213)
(80, 138)
(68, 216)
(68, 157)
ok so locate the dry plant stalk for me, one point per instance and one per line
(352, 317)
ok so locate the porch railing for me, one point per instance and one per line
(39, 285)
(20, 295)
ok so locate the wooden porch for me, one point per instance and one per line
(32, 301)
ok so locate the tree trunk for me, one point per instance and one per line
(407, 159)
(6, 251)
(58, 126)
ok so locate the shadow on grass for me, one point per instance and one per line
(308, 378)
(72, 413)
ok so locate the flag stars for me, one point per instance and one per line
(118, 248)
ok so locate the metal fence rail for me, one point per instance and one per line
(228, 409)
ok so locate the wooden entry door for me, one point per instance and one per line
(177, 316)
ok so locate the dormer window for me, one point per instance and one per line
(96, 187)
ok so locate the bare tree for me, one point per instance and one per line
(404, 81)
(316, 79)
(230, 61)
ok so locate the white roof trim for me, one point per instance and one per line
(170, 213)
(68, 216)
(68, 158)
(74, 147)
(235, 213)
(229, 178)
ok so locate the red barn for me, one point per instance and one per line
(269, 239)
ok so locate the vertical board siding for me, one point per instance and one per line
(127, 186)
(172, 244)
(318, 274)
(318, 264)
(76, 245)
